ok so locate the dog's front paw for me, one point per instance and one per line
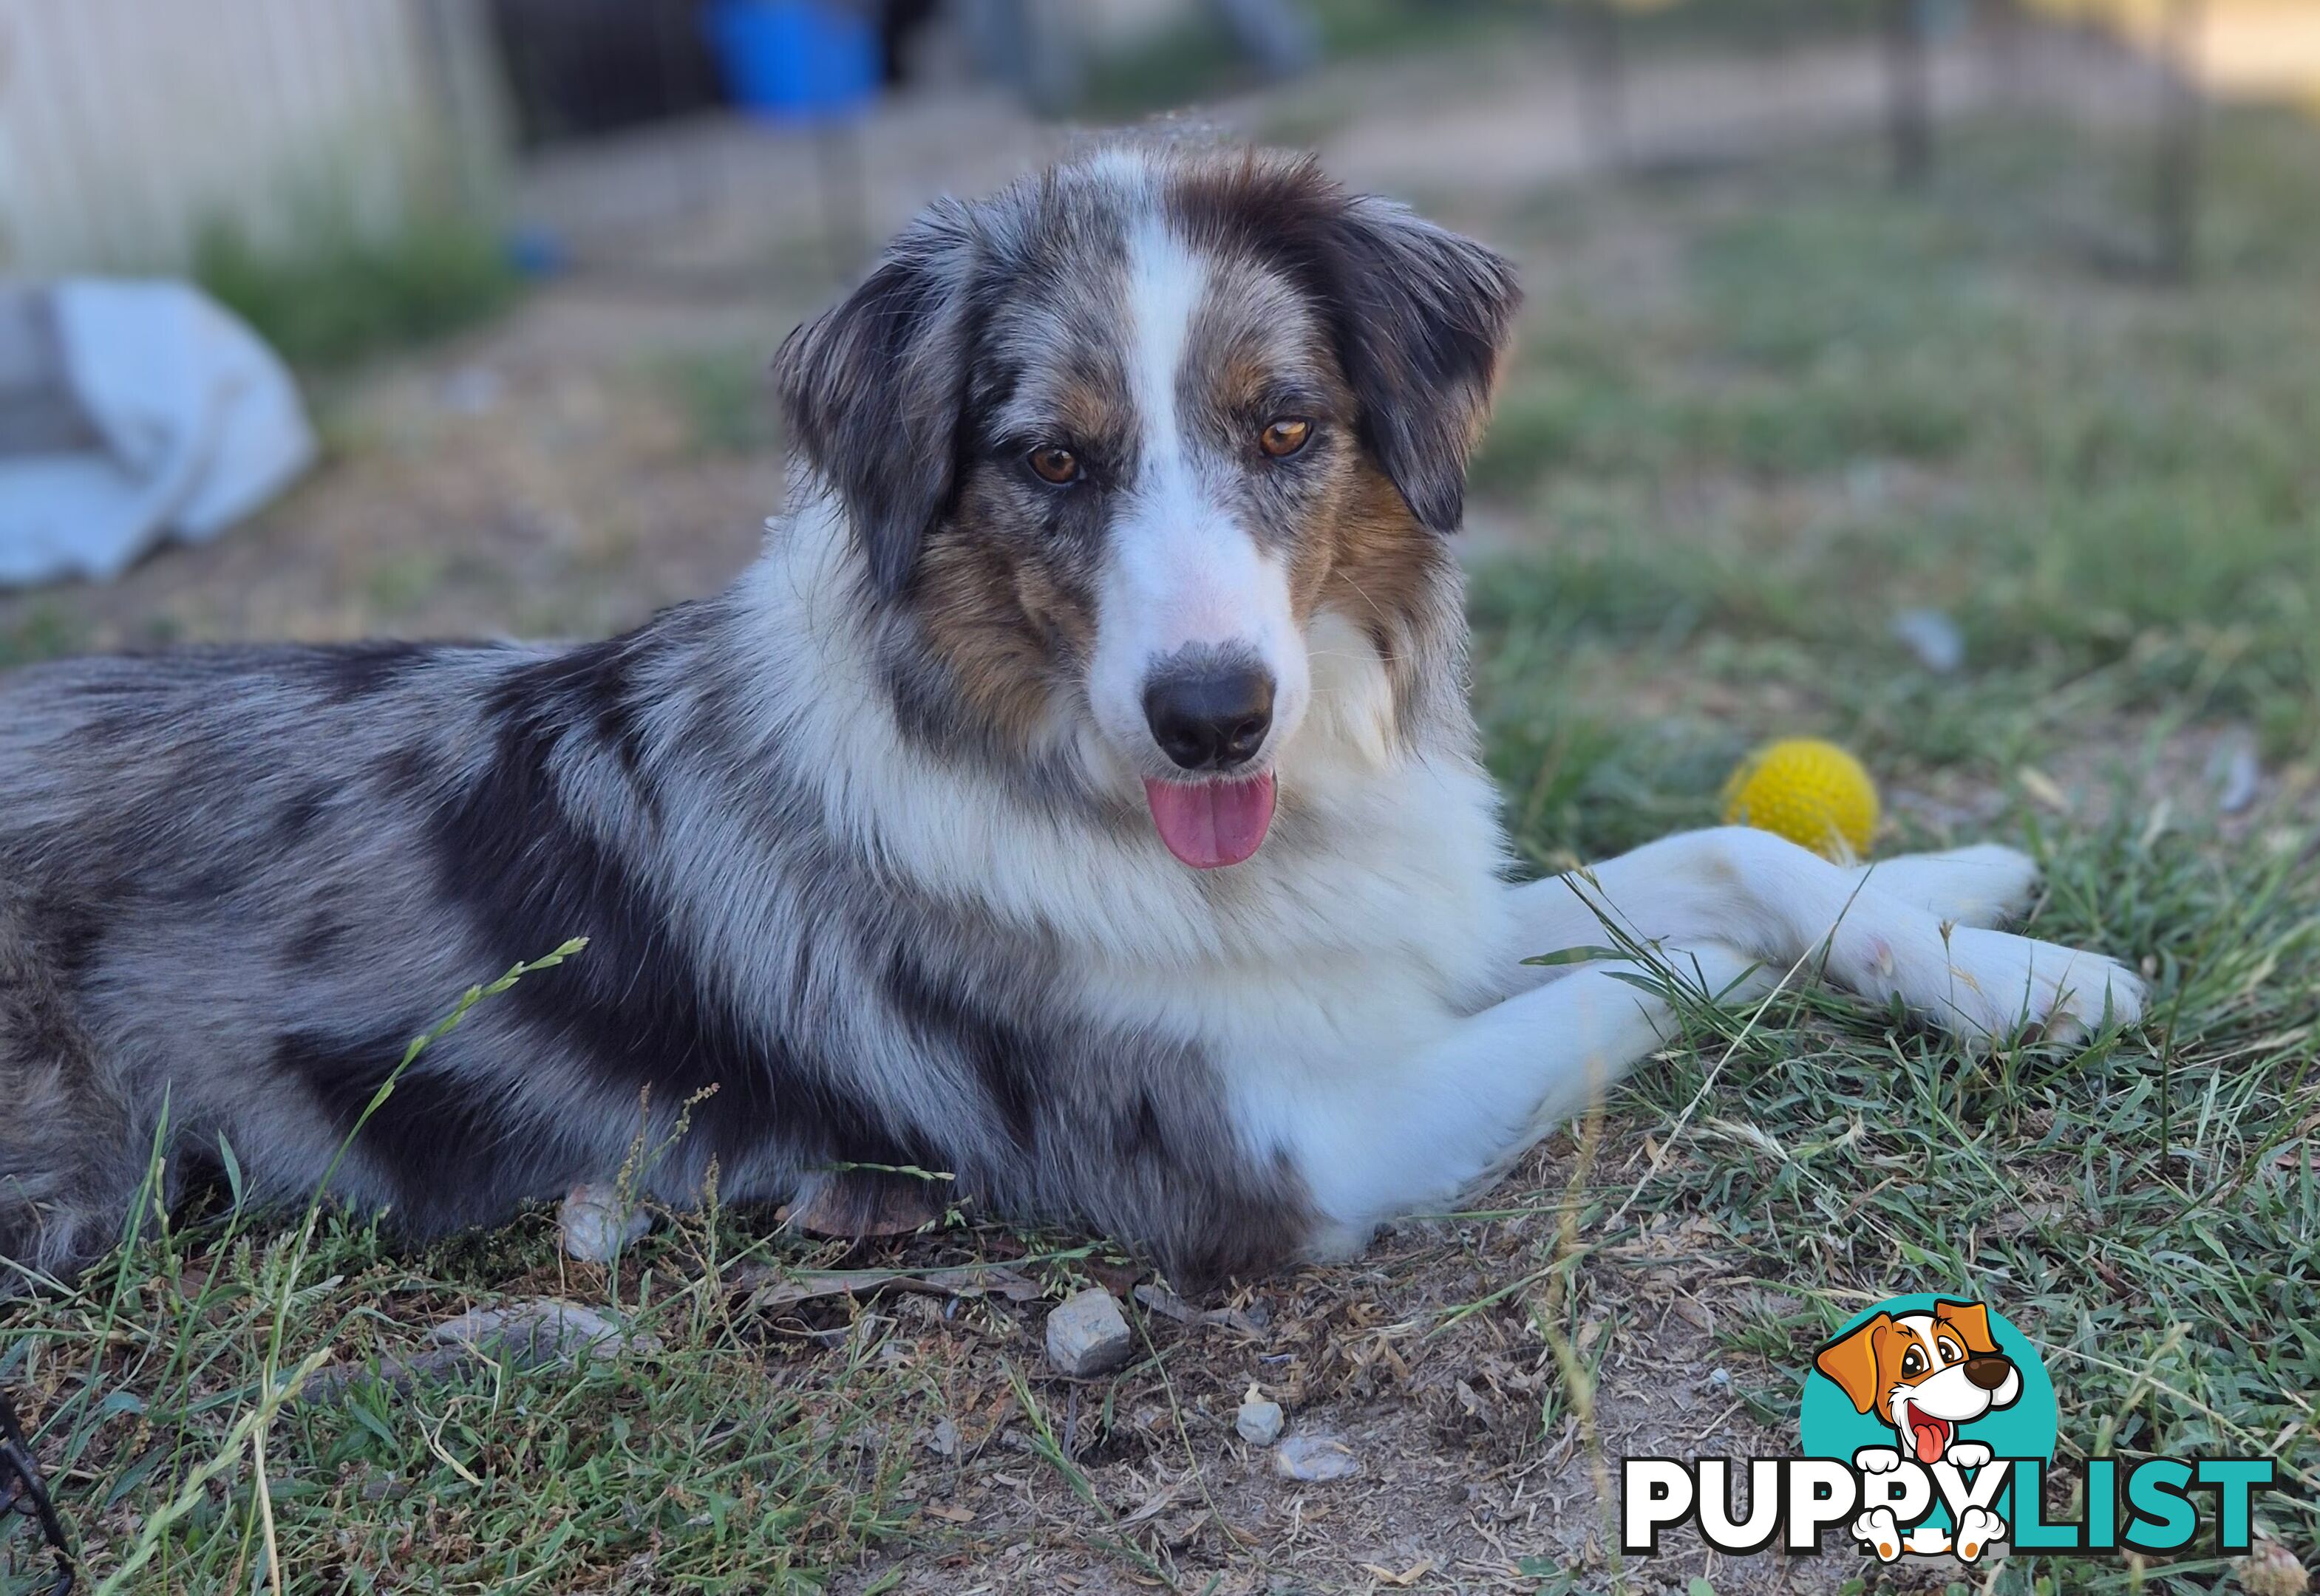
(1977, 1528)
(1878, 1530)
(1998, 986)
(1969, 1454)
(1877, 1460)
(1983, 886)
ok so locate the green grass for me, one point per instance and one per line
(1844, 404)
(699, 1460)
(2146, 1207)
(41, 631)
(1841, 404)
(725, 398)
(342, 293)
(1197, 59)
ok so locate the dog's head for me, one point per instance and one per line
(1147, 446)
(1924, 1373)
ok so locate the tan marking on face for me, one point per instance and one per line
(1381, 562)
(1376, 566)
(1255, 351)
(1086, 412)
(1243, 379)
(1006, 623)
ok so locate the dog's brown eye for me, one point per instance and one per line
(1055, 464)
(1284, 435)
(1913, 1362)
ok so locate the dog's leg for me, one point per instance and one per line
(1462, 1109)
(1753, 891)
(1985, 885)
(70, 1162)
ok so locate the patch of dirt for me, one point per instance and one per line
(497, 484)
(1425, 1358)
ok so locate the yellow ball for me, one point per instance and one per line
(1811, 792)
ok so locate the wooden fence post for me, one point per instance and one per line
(1908, 93)
(1602, 55)
(2176, 189)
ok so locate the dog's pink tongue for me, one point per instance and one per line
(1212, 824)
(1928, 1437)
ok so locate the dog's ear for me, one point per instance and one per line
(874, 390)
(1424, 317)
(1972, 1321)
(1851, 1361)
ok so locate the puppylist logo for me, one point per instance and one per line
(1927, 1430)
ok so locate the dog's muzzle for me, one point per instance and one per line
(1211, 713)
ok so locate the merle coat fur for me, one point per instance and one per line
(858, 845)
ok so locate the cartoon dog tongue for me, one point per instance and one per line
(1207, 824)
(1931, 1435)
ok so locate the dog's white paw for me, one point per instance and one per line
(1983, 886)
(1877, 1460)
(597, 1225)
(1976, 1529)
(1969, 1454)
(1879, 1531)
(1998, 986)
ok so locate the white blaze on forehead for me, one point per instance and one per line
(1165, 282)
(1181, 558)
(1182, 571)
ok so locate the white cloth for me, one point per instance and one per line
(197, 425)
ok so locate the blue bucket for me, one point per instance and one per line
(796, 60)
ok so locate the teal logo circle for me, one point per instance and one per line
(1831, 1425)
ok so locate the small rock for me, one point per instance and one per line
(541, 1333)
(2236, 773)
(943, 1439)
(598, 1226)
(1721, 1379)
(1933, 637)
(2270, 1569)
(384, 1488)
(1259, 1422)
(1315, 1457)
(1088, 1335)
(534, 1334)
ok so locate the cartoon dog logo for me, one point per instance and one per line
(1927, 1375)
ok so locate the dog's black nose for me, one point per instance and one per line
(1210, 718)
(1988, 1371)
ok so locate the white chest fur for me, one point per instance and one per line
(1313, 975)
